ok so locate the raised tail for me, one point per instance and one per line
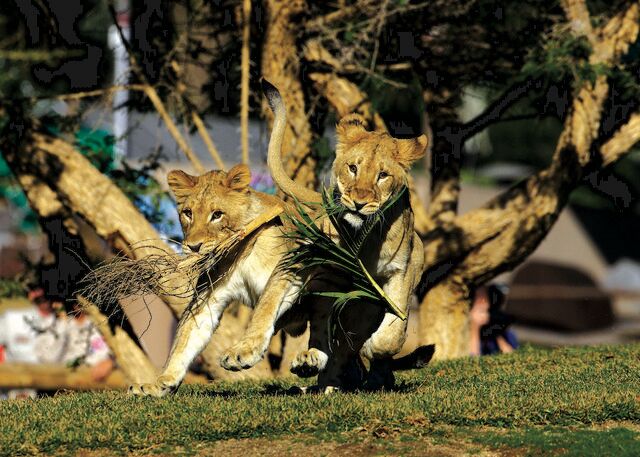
(274, 156)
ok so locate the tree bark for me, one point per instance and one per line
(444, 317)
(129, 356)
(527, 211)
(281, 66)
(56, 377)
(58, 180)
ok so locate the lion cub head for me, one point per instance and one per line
(212, 206)
(370, 167)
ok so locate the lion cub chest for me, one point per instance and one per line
(247, 278)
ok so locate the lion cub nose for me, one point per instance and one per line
(194, 247)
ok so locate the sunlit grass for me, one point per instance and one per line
(530, 389)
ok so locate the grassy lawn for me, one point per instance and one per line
(580, 401)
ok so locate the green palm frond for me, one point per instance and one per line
(314, 249)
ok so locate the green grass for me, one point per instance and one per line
(537, 401)
(618, 441)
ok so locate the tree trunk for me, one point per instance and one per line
(281, 66)
(58, 180)
(128, 354)
(134, 363)
(529, 209)
(444, 318)
(55, 377)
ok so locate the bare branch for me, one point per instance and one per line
(314, 51)
(244, 85)
(494, 112)
(617, 35)
(578, 15)
(152, 94)
(99, 92)
(623, 140)
(582, 126)
(534, 205)
(345, 97)
(208, 141)
(36, 55)
(173, 129)
(343, 13)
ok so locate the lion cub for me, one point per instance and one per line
(369, 169)
(212, 208)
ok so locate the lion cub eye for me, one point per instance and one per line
(187, 213)
(353, 169)
(382, 175)
(216, 215)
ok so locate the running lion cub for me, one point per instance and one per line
(213, 207)
(370, 168)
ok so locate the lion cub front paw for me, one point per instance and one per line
(309, 363)
(163, 386)
(241, 356)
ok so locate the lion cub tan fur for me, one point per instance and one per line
(213, 207)
(369, 168)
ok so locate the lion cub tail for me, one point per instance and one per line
(419, 358)
(274, 156)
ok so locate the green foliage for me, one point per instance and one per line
(13, 194)
(450, 401)
(136, 182)
(316, 249)
(144, 190)
(564, 56)
(97, 146)
(10, 288)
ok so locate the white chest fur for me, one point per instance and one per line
(354, 220)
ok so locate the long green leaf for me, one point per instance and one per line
(397, 311)
(314, 248)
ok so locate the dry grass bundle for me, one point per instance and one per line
(162, 274)
(185, 276)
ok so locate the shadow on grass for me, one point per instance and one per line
(267, 389)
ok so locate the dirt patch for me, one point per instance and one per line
(375, 439)
(308, 445)
(296, 446)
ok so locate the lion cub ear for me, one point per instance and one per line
(350, 129)
(410, 150)
(238, 178)
(181, 184)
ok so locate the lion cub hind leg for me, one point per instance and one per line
(314, 360)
